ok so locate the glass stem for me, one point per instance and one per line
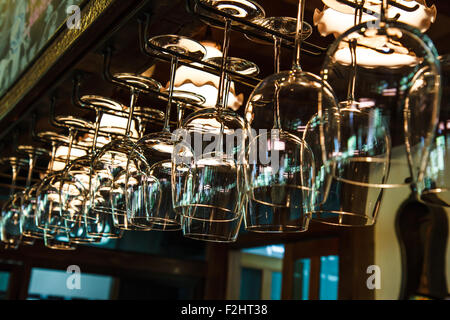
(134, 97)
(30, 169)
(352, 81)
(173, 68)
(15, 171)
(276, 53)
(223, 66)
(52, 159)
(141, 127)
(180, 114)
(226, 92)
(383, 10)
(98, 117)
(222, 94)
(298, 36)
(72, 134)
(276, 108)
(352, 47)
(359, 11)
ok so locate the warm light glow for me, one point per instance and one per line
(370, 58)
(88, 140)
(208, 125)
(163, 147)
(215, 160)
(83, 179)
(209, 92)
(61, 155)
(335, 20)
(204, 83)
(116, 124)
(70, 190)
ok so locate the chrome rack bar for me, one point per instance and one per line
(376, 15)
(187, 61)
(54, 122)
(357, 6)
(77, 102)
(403, 7)
(107, 53)
(308, 48)
(110, 78)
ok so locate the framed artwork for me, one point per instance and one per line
(34, 34)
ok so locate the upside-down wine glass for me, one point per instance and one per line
(50, 216)
(210, 193)
(107, 202)
(28, 203)
(110, 163)
(10, 226)
(390, 60)
(280, 165)
(434, 186)
(149, 183)
(338, 202)
(215, 230)
(284, 25)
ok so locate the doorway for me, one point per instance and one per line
(303, 270)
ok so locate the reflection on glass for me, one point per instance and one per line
(435, 187)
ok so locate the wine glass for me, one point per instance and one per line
(50, 212)
(337, 201)
(237, 65)
(10, 223)
(388, 59)
(283, 25)
(28, 198)
(280, 164)
(74, 195)
(248, 10)
(107, 196)
(434, 186)
(210, 191)
(57, 162)
(149, 167)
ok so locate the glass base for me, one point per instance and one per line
(211, 231)
(122, 222)
(59, 245)
(271, 219)
(278, 228)
(243, 9)
(342, 219)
